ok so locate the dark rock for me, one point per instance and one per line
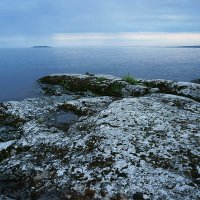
(196, 81)
(138, 196)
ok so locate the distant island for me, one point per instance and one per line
(41, 47)
(195, 46)
(191, 46)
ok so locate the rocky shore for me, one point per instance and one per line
(102, 137)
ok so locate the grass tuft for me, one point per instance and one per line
(130, 79)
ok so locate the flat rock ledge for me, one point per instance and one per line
(99, 137)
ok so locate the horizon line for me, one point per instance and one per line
(105, 39)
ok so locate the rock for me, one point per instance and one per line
(138, 145)
(196, 81)
(115, 86)
(99, 84)
(186, 89)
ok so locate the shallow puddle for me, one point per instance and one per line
(62, 120)
(65, 117)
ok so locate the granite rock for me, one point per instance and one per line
(136, 145)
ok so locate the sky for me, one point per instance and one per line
(63, 23)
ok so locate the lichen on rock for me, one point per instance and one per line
(186, 89)
(140, 144)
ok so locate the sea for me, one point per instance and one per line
(21, 67)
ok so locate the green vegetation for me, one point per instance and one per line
(100, 79)
(116, 87)
(130, 79)
(40, 120)
(65, 84)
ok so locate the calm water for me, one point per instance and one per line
(20, 68)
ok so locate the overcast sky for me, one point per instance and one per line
(99, 22)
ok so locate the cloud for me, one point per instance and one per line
(174, 17)
(34, 19)
(126, 38)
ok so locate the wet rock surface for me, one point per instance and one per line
(136, 142)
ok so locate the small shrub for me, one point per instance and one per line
(129, 79)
